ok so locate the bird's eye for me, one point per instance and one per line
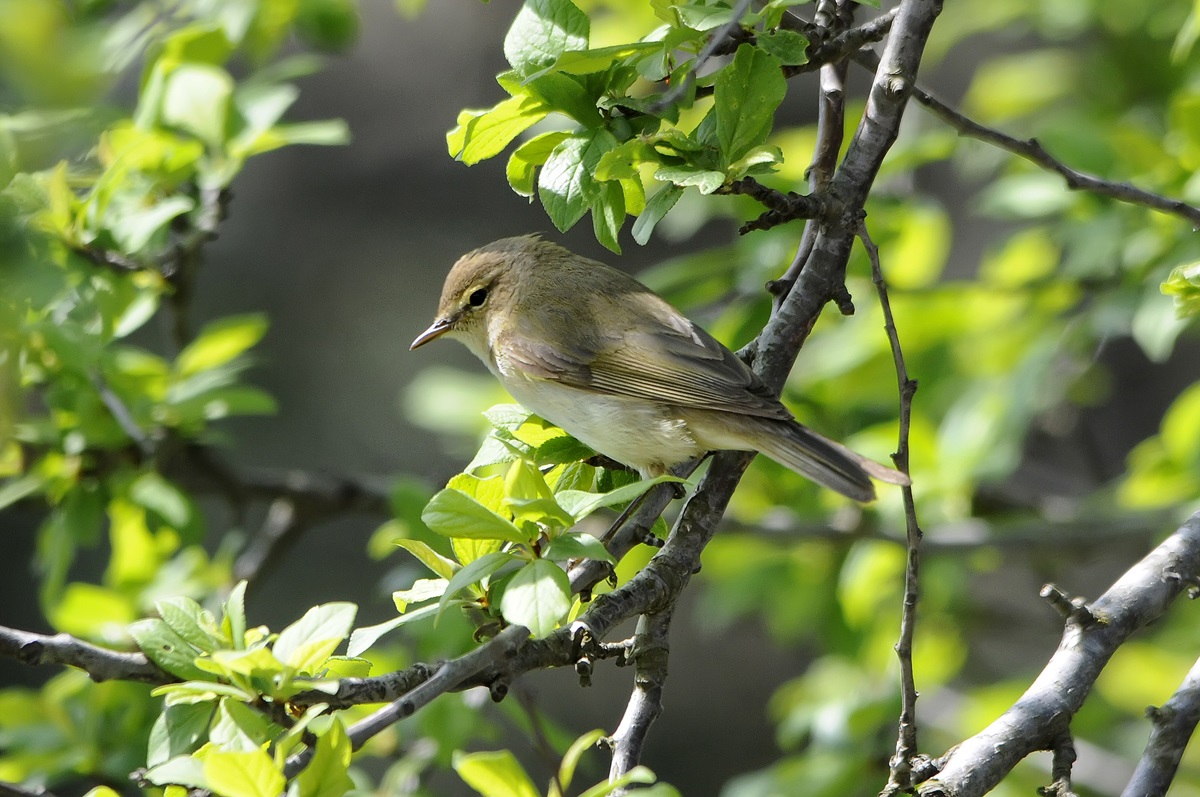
(478, 297)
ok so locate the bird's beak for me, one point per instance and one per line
(438, 328)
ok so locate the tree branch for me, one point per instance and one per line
(825, 50)
(650, 653)
(1172, 727)
(449, 676)
(831, 125)
(99, 663)
(1037, 720)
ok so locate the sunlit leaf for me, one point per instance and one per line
(537, 597)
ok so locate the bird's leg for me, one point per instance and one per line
(601, 461)
(647, 538)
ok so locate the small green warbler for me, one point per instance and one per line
(599, 354)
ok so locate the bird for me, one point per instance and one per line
(595, 352)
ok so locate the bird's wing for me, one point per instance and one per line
(673, 361)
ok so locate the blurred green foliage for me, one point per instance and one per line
(104, 210)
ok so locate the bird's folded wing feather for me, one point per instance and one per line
(675, 362)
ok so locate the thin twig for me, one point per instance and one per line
(1032, 150)
(824, 49)
(146, 442)
(714, 43)
(781, 207)
(1063, 759)
(901, 764)
(632, 532)
(1172, 726)
(17, 790)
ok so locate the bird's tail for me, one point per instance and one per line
(826, 462)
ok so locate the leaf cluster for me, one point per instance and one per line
(613, 131)
(511, 533)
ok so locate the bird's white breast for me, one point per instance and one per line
(636, 432)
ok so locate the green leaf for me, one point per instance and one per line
(1155, 327)
(523, 163)
(576, 545)
(588, 741)
(197, 99)
(134, 225)
(188, 619)
(179, 730)
(538, 596)
(223, 402)
(640, 775)
(581, 504)
(1183, 284)
(167, 649)
(542, 31)
(221, 341)
(561, 449)
(151, 491)
(323, 133)
(287, 742)
(582, 62)
(656, 209)
(1009, 86)
(440, 565)
(19, 488)
(455, 514)
(423, 589)
(480, 135)
(702, 16)
(608, 214)
(235, 615)
(707, 180)
(525, 482)
(255, 663)
(473, 573)
(201, 692)
(327, 772)
(788, 46)
(494, 774)
(490, 493)
(182, 770)
(248, 774)
(330, 621)
(564, 94)
(746, 94)
(364, 638)
(239, 727)
(507, 416)
(204, 44)
(567, 186)
(758, 160)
